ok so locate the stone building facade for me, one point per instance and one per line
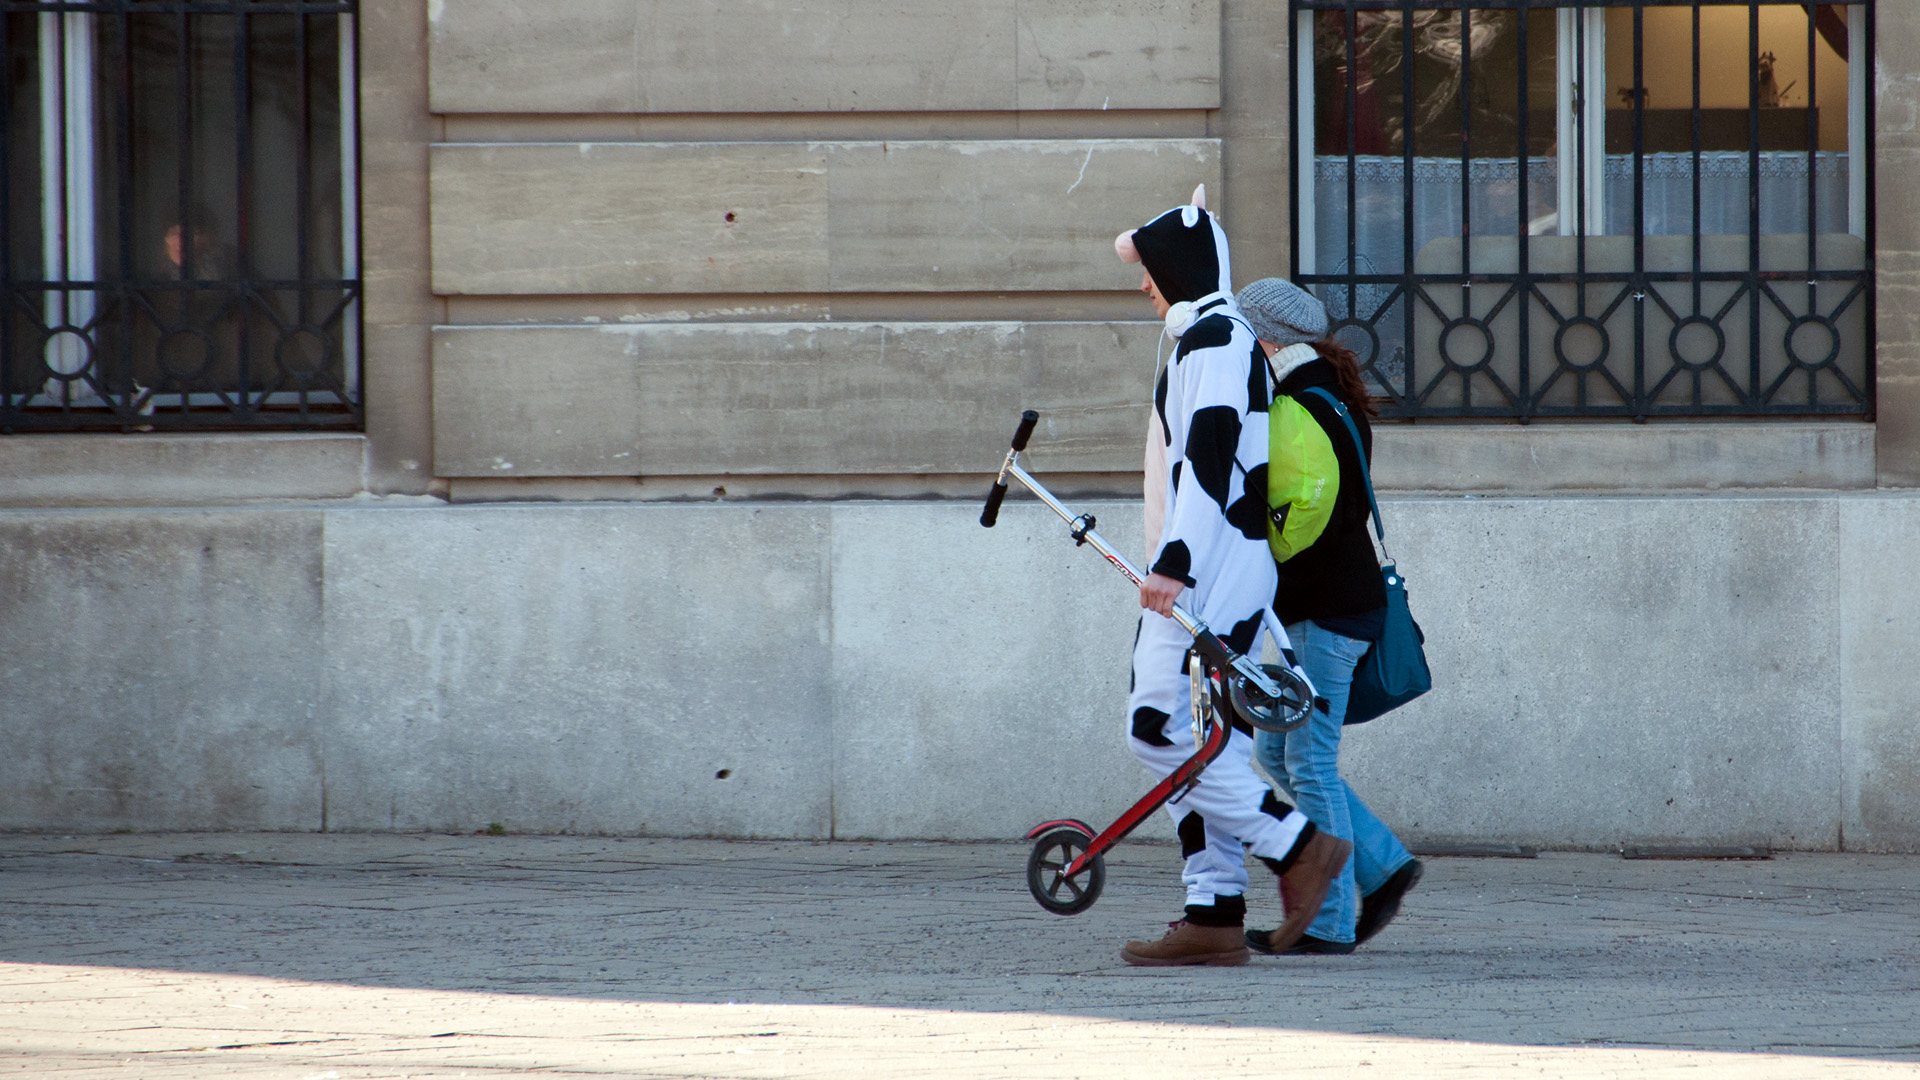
(691, 331)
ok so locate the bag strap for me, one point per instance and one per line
(1359, 450)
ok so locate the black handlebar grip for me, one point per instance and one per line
(992, 513)
(1025, 430)
(1021, 434)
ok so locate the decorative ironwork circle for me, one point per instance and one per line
(1372, 352)
(1576, 323)
(1793, 337)
(1680, 356)
(67, 330)
(174, 352)
(291, 346)
(1446, 343)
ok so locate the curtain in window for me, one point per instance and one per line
(1491, 186)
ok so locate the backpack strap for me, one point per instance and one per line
(1359, 450)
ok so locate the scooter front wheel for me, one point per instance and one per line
(1047, 879)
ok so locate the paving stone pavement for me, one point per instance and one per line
(431, 955)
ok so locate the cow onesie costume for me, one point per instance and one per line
(1210, 411)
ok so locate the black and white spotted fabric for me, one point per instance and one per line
(1211, 406)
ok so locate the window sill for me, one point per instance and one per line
(1549, 458)
(214, 469)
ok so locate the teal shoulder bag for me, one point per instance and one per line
(1394, 671)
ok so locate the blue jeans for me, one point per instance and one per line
(1306, 761)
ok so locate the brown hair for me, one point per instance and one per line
(1346, 371)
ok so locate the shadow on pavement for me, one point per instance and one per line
(1804, 954)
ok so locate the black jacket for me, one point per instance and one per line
(1338, 574)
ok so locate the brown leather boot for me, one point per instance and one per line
(1287, 901)
(1303, 888)
(1187, 943)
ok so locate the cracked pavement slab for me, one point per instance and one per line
(281, 955)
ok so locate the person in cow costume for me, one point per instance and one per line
(1208, 489)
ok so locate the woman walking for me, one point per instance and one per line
(1332, 601)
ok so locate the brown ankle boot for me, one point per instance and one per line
(1187, 943)
(1303, 888)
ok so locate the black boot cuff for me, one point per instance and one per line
(1281, 866)
(1225, 911)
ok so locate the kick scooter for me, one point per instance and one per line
(1066, 869)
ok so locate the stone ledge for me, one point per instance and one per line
(211, 469)
(1592, 459)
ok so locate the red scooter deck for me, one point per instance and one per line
(1188, 772)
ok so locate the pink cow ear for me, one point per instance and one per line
(1200, 197)
(1123, 247)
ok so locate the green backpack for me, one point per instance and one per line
(1303, 478)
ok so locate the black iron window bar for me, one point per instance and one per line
(1499, 321)
(179, 215)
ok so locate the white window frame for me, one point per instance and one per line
(68, 207)
(1581, 120)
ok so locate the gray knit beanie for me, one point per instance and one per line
(1282, 312)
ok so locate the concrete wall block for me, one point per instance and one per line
(1097, 54)
(980, 676)
(629, 218)
(1896, 77)
(679, 399)
(162, 670)
(684, 56)
(995, 216)
(911, 56)
(615, 218)
(502, 56)
(680, 56)
(586, 669)
(395, 130)
(1616, 670)
(1896, 90)
(399, 404)
(1897, 403)
(1880, 621)
(1896, 201)
(1255, 129)
(1254, 174)
(1897, 357)
(1608, 671)
(536, 401)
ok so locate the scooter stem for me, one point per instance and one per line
(1083, 532)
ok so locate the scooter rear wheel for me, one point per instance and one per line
(1047, 879)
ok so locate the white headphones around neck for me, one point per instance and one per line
(1182, 316)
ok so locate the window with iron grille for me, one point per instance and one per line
(1589, 208)
(178, 215)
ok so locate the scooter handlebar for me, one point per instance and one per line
(991, 513)
(1025, 431)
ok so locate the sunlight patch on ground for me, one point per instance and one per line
(58, 1020)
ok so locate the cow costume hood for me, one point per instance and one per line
(1184, 249)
